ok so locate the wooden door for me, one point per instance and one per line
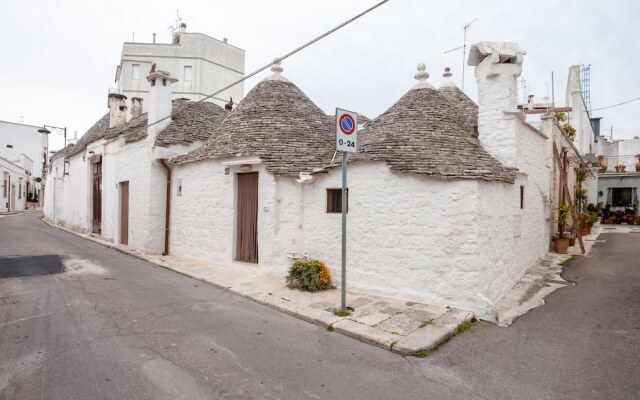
(12, 201)
(97, 197)
(247, 218)
(124, 212)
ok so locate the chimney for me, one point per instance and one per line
(159, 110)
(136, 107)
(595, 125)
(498, 66)
(117, 109)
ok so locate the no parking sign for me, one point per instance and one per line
(346, 131)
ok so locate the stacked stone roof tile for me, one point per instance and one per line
(61, 153)
(191, 121)
(465, 108)
(279, 124)
(422, 134)
(94, 133)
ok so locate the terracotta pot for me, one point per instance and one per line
(607, 221)
(572, 241)
(603, 163)
(638, 163)
(561, 245)
(584, 231)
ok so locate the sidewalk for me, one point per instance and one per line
(540, 281)
(403, 327)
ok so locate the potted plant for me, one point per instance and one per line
(572, 232)
(561, 241)
(630, 216)
(620, 167)
(593, 218)
(638, 163)
(607, 215)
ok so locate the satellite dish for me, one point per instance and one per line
(38, 179)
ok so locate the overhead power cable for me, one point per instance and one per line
(278, 59)
(616, 105)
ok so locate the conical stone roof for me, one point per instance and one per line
(467, 109)
(421, 133)
(279, 124)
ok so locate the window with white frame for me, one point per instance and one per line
(188, 73)
(135, 71)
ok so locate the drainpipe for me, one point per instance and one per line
(168, 207)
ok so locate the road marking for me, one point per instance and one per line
(25, 319)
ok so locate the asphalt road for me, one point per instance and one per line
(115, 327)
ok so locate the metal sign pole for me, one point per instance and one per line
(346, 142)
(344, 231)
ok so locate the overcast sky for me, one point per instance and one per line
(58, 58)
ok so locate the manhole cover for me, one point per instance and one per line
(30, 266)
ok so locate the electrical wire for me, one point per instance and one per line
(278, 59)
(616, 105)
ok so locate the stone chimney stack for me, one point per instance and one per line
(159, 110)
(117, 110)
(136, 107)
(498, 66)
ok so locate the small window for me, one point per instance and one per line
(9, 146)
(334, 200)
(521, 197)
(135, 71)
(188, 73)
(19, 188)
(622, 197)
(179, 187)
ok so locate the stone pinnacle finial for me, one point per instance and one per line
(447, 73)
(276, 70)
(421, 76)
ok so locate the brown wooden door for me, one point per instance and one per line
(124, 212)
(97, 197)
(247, 218)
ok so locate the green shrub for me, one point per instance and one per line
(311, 275)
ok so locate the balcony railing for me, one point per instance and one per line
(619, 164)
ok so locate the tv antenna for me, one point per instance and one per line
(464, 49)
(175, 29)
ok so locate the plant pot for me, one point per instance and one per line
(638, 163)
(603, 163)
(631, 219)
(561, 245)
(607, 221)
(584, 231)
(572, 241)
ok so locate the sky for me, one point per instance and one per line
(58, 58)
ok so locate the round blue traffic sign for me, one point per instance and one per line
(347, 124)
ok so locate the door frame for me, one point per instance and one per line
(122, 206)
(236, 224)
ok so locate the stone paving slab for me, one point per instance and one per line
(393, 324)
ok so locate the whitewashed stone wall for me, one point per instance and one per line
(203, 217)
(16, 197)
(408, 237)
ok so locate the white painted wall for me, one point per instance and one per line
(15, 199)
(215, 65)
(24, 139)
(203, 217)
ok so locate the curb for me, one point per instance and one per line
(422, 340)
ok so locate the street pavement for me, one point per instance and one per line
(116, 327)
